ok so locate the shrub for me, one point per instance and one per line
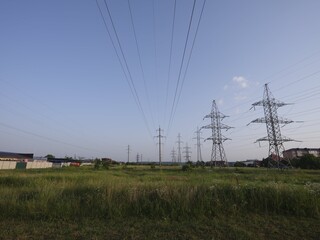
(186, 167)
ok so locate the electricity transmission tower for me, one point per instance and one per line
(159, 136)
(187, 153)
(272, 120)
(173, 155)
(179, 147)
(128, 152)
(218, 156)
(198, 138)
(138, 157)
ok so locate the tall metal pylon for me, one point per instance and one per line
(138, 157)
(128, 152)
(159, 136)
(179, 148)
(187, 153)
(198, 138)
(173, 155)
(218, 155)
(272, 120)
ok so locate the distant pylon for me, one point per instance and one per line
(198, 138)
(272, 121)
(179, 148)
(173, 155)
(159, 136)
(128, 152)
(138, 157)
(187, 153)
(218, 156)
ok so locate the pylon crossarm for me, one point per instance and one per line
(260, 103)
(262, 139)
(223, 126)
(285, 139)
(259, 120)
(209, 126)
(284, 121)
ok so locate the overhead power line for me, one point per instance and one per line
(125, 65)
(178, 86)
(140, 63)
(170, 56)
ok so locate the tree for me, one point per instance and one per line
(307, 161)
(50, 156)
(239, 164)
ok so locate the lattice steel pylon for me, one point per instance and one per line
(173, 155)
(272, 120)
(198, 138)
(218, 155)
(187, 153)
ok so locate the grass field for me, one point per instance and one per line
(138, 202)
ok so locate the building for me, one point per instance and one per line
(299, 152)
(9, 156)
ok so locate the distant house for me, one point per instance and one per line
(299, 152)
(9, 156)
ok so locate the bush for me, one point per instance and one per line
(97, 163)
(306, 162)
(186, 167)
(239, 164)
(105, 164)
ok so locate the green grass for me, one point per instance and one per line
(227, 203)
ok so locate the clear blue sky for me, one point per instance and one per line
(62, 89)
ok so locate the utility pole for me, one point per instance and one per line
(218, 155)
(173, 155)
(128, 151)
(159, 136)
(179, 147)
(198, 138)
(272, 120)
(187, 153)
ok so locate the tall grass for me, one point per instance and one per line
(169, 193)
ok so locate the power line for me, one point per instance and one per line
(46, 138)
(181, 65)
(130, 83)
(140, 63)
(170, 56)
(190, 54)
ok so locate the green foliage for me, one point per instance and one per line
(270, 201)
(306, 162)
(97, 163)
(50, 156)
(167, 194)
(239, 164)
(186, 167)
(106, 165)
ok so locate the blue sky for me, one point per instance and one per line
(62, 89)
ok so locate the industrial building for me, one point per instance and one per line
(299, 152)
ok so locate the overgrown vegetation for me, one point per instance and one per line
(158, 194)
(306, 162)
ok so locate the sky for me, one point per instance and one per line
(67, 89)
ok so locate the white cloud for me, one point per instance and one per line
(225, 87)
(241, 81)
